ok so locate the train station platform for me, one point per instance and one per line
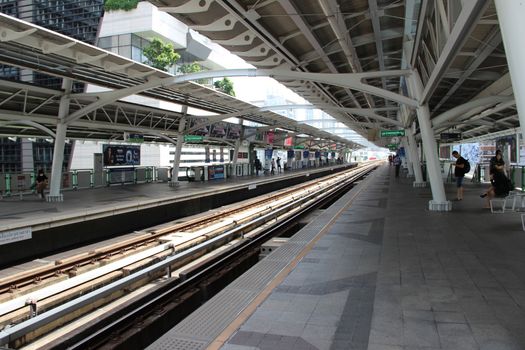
(90, 215)
(376, 270)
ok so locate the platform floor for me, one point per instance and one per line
(378, 272)
(29, 210)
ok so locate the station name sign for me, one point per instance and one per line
(391, 133)
(193, 138)
(450, 136)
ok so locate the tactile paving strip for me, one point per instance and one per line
(206, 323)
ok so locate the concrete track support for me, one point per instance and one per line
(439, 201)
(512, 25)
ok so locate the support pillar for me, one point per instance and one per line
(414, 156)
(408, 157)
(439, 201)
(236, 151)
(512, 26)
(55, 194)
(178, 150)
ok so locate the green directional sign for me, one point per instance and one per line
(391, 133)
(193, 138)
(392, 145)
(299, 147)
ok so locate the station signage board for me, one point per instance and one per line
(193, 138)
(392, 133)
(392, 146)
(450, 136)
(299, 147)
(135, 138)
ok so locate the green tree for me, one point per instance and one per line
(160, 55)
(126, 5)
(190, 68)
(225, 85)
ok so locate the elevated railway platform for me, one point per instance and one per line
(376, 271)
(87, 216)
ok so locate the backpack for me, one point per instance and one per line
(466, 167)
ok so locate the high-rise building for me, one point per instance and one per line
(78, 19)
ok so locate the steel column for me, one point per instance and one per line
(178, 149)
(55, 194)
(512, 25)
(439, 201)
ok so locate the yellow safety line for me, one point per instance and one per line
(250, 309)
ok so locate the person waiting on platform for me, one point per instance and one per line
(272, 171)
(41, 183)
(459, 173)
(397, 163)
(499, 183)
(258, 166)
(279, 169)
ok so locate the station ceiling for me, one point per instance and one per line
(456, 47)
(104, 115)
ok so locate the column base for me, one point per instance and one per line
(439, 206)
(419, 184)
(174, 183)
(59, 198)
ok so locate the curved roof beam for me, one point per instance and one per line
(467, 107)
(30, 123)
(348, 80)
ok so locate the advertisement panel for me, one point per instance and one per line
(121, 155)
(216, 172)
(291, 154)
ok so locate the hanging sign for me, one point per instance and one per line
(391, 133)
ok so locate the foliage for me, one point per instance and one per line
(190, 68)
(126, 5)
(225, 85)
(160, 55)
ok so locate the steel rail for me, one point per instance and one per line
(18, 330)
(28, 277)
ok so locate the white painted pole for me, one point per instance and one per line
(511, 17)
(55, 194)
(178, 149)
(414, 156)
(439, 201)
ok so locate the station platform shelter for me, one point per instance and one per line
(376, 270)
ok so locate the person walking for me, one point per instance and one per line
(41, 183)
(459, 173)
(258, 166)
(279, 169)
(397, 163)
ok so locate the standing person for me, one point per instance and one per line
(258, 166)
(272, 171)
(397, 163)
(279, 169)
(459, 173)
(41, 183)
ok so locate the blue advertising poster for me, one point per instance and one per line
(306, 154)
(333, 155)
(325, 154)
(401, 151)
(291, 154)
(317, 154)
(121, 155)
(268, 153)
(216, 172)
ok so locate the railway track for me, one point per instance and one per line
(36, 301)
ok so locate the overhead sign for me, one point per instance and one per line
(392, 146)
(136, 138)
(299, 147)
(391, 133)
(193, 138)
(450, 136)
